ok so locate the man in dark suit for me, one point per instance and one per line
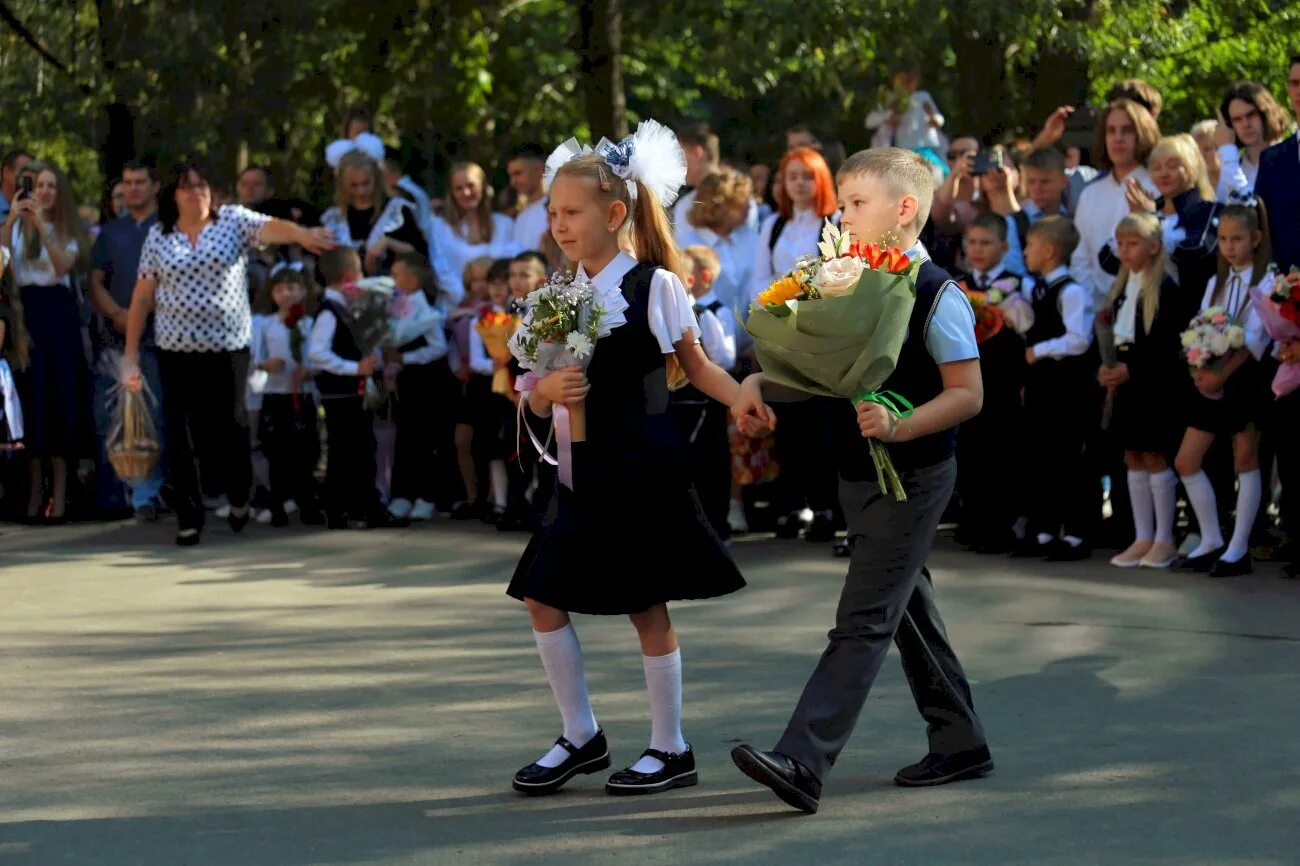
(1278, 180)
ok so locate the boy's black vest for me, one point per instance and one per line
(343, 345)
(916, 377)
(1049, 324)
(688, 393)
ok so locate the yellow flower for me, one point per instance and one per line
(785, 289)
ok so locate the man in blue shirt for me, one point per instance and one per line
(114, 261)
(1278, 180)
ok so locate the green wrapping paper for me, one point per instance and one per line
(844, 346)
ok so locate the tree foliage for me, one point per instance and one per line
(268, 81)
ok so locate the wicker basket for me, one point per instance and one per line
(136, 455)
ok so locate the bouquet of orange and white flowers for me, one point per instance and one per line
(495, 328)
(834, 326)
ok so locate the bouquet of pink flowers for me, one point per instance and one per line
(1278, 306)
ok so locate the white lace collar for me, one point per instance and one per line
(607, 286)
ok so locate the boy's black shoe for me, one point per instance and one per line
(789, 525)
(1029, 548)
(678, 771)
(336, 520)
(381, 519)
(936, 769)
(239, 521)
(278, 517)
(1060, 550)
(822, 528)
(311, 516)
(790, 780)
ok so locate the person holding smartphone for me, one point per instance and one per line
(11, 166)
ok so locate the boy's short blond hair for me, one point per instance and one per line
(480, 265)
(703, 258)
(906, 172)
(1060, 232)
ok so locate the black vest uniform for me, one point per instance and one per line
(688, 393)
(632, 533)
(1150, 408)
(345, 346)
(916, 377)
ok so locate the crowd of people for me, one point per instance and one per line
(228, 310)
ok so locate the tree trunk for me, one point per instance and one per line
(600, 53)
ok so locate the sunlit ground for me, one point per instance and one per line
(290, 698)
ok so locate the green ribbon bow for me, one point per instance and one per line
(894, 402)
(886, 475)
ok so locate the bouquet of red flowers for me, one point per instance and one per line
(1277, 302)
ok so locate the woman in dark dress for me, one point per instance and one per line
(48, 245)
(364, 217)
(630, 470)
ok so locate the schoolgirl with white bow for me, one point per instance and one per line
(1230, 400)
(631, 468)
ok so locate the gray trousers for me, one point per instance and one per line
(887, 596)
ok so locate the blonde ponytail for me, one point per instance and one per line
(1146, 227)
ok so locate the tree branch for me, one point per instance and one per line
(7, 15)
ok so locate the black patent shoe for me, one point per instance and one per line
(239, 521)
(591, 758)
(1240, 568)
(187, 538)
(936, 769)
(822, 528)
(790, 780)
(678, 771)
(1199, 564)
(1029, 548)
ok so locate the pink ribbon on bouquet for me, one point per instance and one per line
(560, 424)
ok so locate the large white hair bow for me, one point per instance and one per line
(367, 142)
(651, 155)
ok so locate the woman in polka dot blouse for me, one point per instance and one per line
(193, 278)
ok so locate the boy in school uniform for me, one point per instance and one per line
(1048, 185)
(702, 422)
(1058, 389)
(986, 247)
(341, 374)
(991, 492)
(888, 596)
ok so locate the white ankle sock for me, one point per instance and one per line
(1201, 493)
(663, 680)
(1250, 487)
(562, 657)
(1164, 487)
(1139, 493)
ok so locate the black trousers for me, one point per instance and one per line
(291, 441)
(1064, 490)
(427, 396)
(206, 421)
(349, 458)
(990, 486)
(703, 430)
(805, 451)
(887, 596)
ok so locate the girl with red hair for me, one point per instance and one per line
(807, 489)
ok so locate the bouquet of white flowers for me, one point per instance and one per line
(1212, 336)
(560, 330)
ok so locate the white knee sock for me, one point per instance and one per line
(1201, 494)
(1164, 489)
(1250, 487)
(1139, 493)
(663, 680)
(500, 482)
(562, 657)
